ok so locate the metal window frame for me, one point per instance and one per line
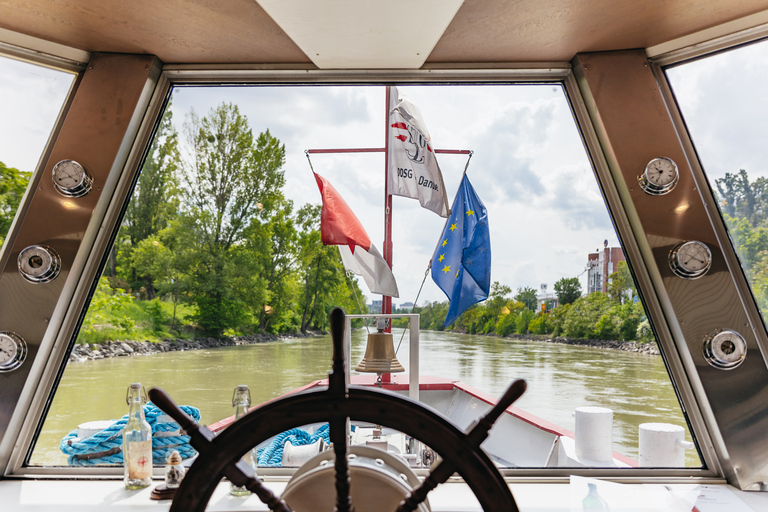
(510, 73)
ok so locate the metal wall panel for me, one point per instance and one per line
(635, 125)
(91, 133)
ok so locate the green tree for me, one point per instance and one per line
(540, 324)
(527, 296)
(154, 201)
(267, 257)
(229, 179)
(13, 184)
(433, 315)
(567, 289)
(320, 269)
(583, 315)
(523, 320)
(743, 199)
(621, 281)
(749, 240)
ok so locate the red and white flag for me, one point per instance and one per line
(340, 226)
(413, 170)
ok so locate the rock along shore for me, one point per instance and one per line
(626, 346)
(85, 352)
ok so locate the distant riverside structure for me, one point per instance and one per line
(406, 305)
(600, 265)
(546, 301)
(374, 306)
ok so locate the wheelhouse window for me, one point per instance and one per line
(218, 276)
(31, 98)
(721, 98)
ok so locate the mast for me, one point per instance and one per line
(386, 301)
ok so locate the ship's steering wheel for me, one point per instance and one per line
(220, 456)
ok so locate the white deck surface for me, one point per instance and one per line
(110, 495)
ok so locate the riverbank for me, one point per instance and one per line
(85, 352)
(624, 346)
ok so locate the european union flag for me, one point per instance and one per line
(461, 265)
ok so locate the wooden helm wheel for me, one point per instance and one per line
(220, 456)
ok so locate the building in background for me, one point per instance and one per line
(545, 301)
(374, 306)
(600, 265)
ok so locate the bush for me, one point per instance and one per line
(155, 315)
(523, 320)
(644, 332)
(584, 314)
(540, 324)
(506, 324)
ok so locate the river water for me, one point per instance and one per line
(560, 378)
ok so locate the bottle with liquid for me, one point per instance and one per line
(241, 401)
(593, 501)
(137, 441)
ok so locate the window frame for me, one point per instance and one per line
(540, 73)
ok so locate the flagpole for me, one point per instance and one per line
(386, 302)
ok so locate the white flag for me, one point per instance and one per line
(370, 264)
(413, 170)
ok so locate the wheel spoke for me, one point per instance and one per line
(339, 425)
(477, 434)
(200, 438)
(221, 455)
(339, 438)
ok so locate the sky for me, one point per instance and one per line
(529, 167)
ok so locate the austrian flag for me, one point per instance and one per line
(413, 170)
(340, 226)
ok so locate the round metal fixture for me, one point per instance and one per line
(725, 349)
(659, 177)
(71, 179)
(39, 264)
(690, 260)
(13, 351)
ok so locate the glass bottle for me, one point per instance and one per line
(137, 441)
(241, 401)
(174, 471)
(593, 501)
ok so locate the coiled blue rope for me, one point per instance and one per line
(272, 455)
(110, 440)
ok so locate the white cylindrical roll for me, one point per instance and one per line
(594, 433)
(662, 445)
(86, 430)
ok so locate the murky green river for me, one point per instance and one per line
(560, 379)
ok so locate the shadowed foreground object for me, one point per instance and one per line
(220, 456)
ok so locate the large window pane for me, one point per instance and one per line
(190, 261)
(31, 98)
(726, 110)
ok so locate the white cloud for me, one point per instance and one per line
(529, 167)
(725, 107)
(31, 98)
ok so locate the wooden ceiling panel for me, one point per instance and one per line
(555, 30)
(178, 31)
(240, 31)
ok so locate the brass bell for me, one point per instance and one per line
(380, 355)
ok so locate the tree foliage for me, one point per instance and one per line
(567, 289)
(620, 282)
(210, 232)
(13, 184)
(744, 204)
(527, 296)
